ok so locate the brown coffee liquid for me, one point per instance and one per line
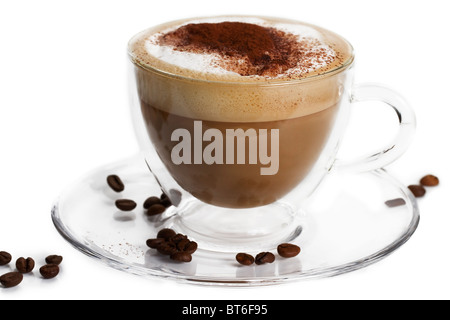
(301, 141)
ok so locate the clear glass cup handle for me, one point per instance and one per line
(407, 126)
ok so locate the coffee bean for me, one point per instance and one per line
(166, 202)
(115, 183)
(5, 258)
(125, 204)
(182, 244)
(429, 181)
(167, 248)
(288, 250)
(49, 271)
(245, 259)
(175, 245)
(264, 257)
(54, 259)
(151, 201)
(155, 243)
(25, 265)
(395, 202)
(417, 190)
(155, 210)
(191, 247)
(11, 279)
(178, 237)
(181, 256)
(166, 233)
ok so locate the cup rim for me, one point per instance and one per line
(338, 69)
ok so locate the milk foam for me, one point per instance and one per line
(209, 63)
(192, 61)
(182, 87)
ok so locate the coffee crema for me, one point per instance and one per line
(233, 103)
(230, 48)
(249, 49)
(274, 76)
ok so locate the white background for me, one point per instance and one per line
(64, 111)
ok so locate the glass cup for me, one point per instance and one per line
(240, 183)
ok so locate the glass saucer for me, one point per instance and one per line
(346, 225)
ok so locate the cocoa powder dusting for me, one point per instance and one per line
(247, 49)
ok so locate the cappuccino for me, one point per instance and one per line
(239, 109)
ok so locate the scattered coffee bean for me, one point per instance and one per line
(245, 259)
(181, 256)
(288, 250)
(417, 190)
(155, 210)
(429, 181)
(155, 243)
(151, 201)
(191, 247)
(125, 204)
(49, 271)
(166, 202)
(178, 237)
(54, 259)
(11, 279)
(5, 258)
(115, 183)
(395, 202)
(264, 257)
(167, 248)
(25, 265)
(175, 245)
(166, 233)
(182, 244)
